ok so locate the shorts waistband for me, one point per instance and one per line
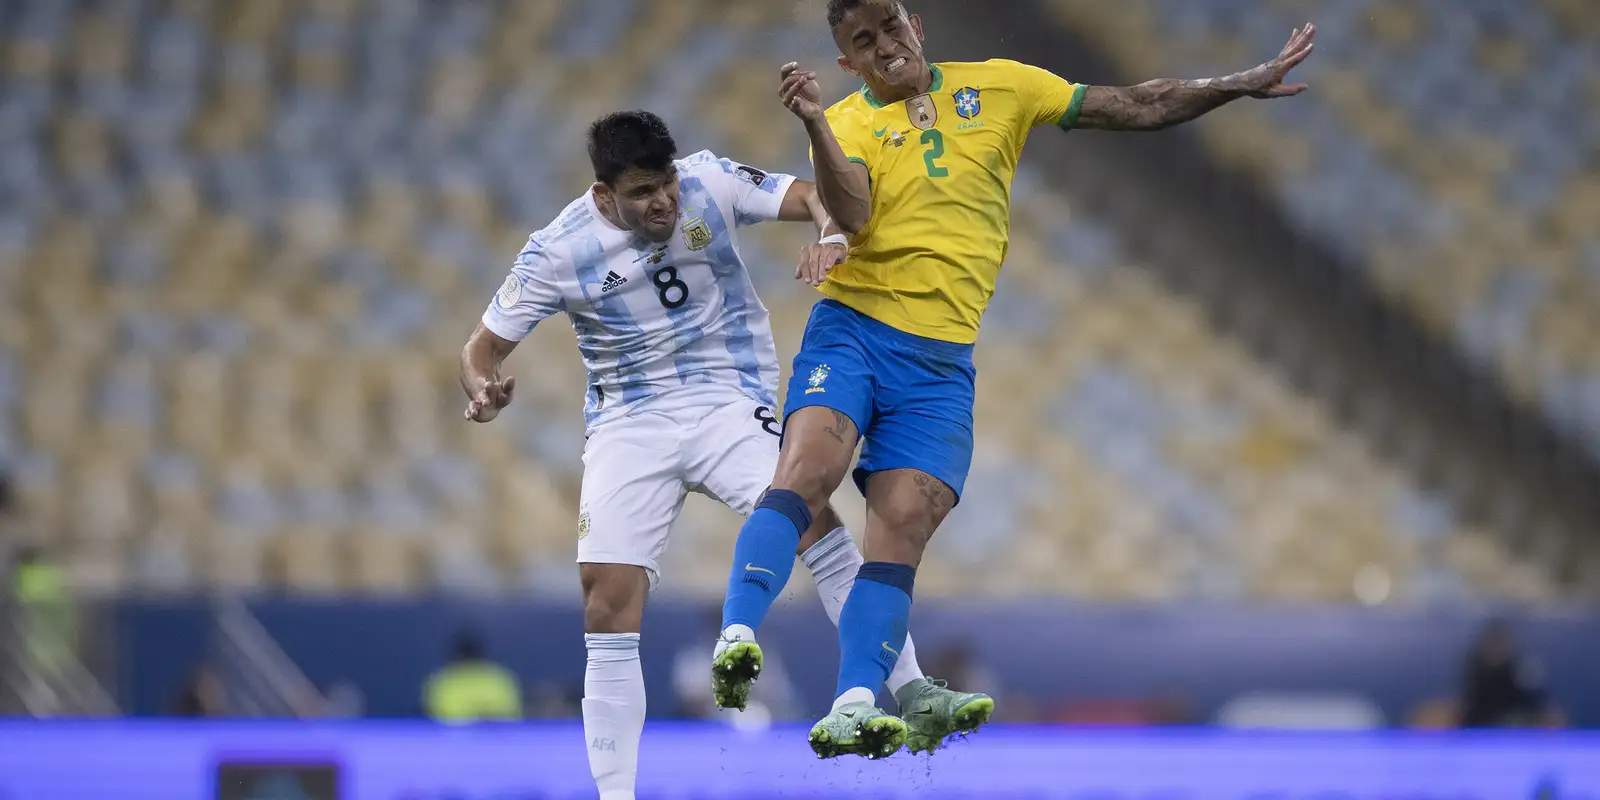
(939, 347)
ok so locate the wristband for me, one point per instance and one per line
(837, 238)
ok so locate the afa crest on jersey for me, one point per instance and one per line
(696, 234)
(967, 103)
(817, 378)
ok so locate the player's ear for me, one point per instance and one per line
(916, 26)
(602, 191)
(844, 64)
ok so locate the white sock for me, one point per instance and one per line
(856, 695)
(738, 633)
(613, 711)
(833, 562)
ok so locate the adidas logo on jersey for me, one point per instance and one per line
(612, 281)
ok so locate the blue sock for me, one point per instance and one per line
(872, 625)
(763, 557)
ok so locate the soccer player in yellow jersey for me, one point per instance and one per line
(916, 170)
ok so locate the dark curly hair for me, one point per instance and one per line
(629, 140)
(838, 8)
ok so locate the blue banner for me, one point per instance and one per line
(1045, 650)
(420, 761)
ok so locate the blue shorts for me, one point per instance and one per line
(910, 397)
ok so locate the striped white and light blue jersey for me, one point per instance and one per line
(676, 323)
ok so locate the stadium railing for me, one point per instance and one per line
(260, 679)
(40, 673)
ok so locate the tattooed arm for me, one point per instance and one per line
(1154, 105)
(1165, 102)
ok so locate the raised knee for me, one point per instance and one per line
(907, 521)
(817, 446)
(911, 500)
(814, 479)
(912, 526)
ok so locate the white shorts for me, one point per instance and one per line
(638, 470)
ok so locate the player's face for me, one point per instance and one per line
(882, 44)
(647, 202)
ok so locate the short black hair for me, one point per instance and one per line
(838, 8)
(629, 139)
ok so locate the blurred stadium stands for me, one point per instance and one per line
(242, 242)
(1448, 149)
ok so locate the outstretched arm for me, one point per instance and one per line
(1165, 102)
(487, 392)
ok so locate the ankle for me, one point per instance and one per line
(905, 694)
(738, 632)
(859, 694)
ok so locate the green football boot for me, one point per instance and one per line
(859, 729)
(734, 667)
(933, 713)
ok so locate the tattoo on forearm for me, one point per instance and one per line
(938, 495)
(1156, 104)
(1165, 102)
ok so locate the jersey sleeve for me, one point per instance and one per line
(848, 132)
(529, 295)
(757, 195)
(1047, 99)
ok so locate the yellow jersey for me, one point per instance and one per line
(941, 165)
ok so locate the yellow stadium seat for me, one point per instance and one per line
(1302, 508)
(248, 23)
(29, 59)
(98, 570)
(306, 560)
(54, 407)
(382, 563)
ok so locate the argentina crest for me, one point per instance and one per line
(923, 113)
(696, 234)
(967, 103)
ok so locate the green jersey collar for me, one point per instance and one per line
(938, 82)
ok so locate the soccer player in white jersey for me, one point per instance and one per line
(683, 377)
